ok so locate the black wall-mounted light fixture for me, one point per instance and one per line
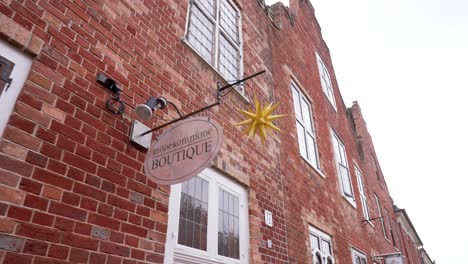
(145, 111)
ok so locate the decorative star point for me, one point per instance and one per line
(260, 120)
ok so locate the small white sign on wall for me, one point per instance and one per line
(268, 218)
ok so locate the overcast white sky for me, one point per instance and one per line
(406, 62)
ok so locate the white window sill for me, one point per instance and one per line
(370, 223)
(238, 92)
(330, 102)
(312, 166)
(349, 200)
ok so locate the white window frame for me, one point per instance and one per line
(176, 252)
(326, 82)
(322, 237)
(357, 254)
(218, 30)
(311, 151)
(18, 75)
(382, 220)
(389, 221)
(341, 160)
(362, 194)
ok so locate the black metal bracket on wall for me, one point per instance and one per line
(114, 104)
(372, 219)
(219, 95)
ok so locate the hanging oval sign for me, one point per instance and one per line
(183, 151)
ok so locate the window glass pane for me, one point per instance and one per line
(342, 154)
(209, 6)
(301, 140)
(312, 151)
(360, 186)
(335, 148)
(346, 181)
(297, 106)
(356, 260)
(314, 241)
(228, 225)
(326, 81)
(326, 247)
(228, 59)
(228, 20)
(201, 33)
(193, 217)
(365, 208)
(306, 112)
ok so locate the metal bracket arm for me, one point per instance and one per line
(218, 102)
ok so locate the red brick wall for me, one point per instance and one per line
(313, 199)
(72, 187)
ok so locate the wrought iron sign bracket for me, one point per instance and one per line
(220, 93)
(372, 219)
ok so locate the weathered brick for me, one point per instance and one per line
(101, 233)
(13, 258)
(19, 213)
(89, 191)
(10, 164)
(58, 251)
(114, 249)
(79, 162)
(103, 221)
(36, 159)
(11, 195)
(35, 247)
(52, 179)
(67, 211)
(43, 219)
(79, 255)
(36, 202)
(9, 178)
(38, 232)
(13, 150)
(7, 225)
(52, 193)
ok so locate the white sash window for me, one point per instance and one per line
(208, 221)
(305, 127)
(358, 257)
(342, 168)
(214, 32)
(326, 82)
(321, 246)
(362, 194)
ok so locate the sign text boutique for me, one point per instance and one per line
(183, 151)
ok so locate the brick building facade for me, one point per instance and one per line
(73, 188)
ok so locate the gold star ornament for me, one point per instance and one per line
(260, 120)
